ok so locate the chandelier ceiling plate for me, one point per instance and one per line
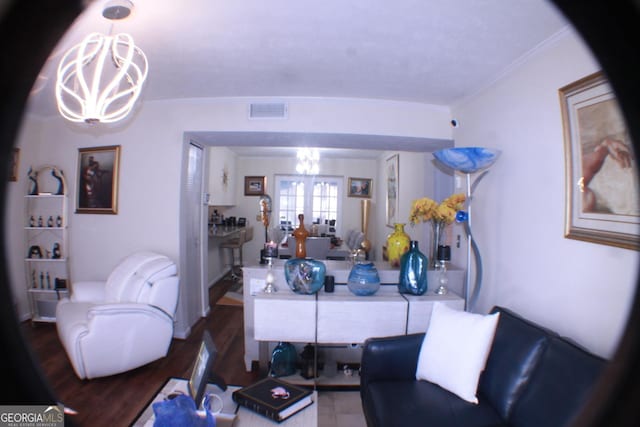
(117, 9)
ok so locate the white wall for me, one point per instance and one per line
(416, 180)
(151, 168)
(580, 289)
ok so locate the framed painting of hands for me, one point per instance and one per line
(602, 204)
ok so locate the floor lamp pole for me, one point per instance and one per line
(467, 284)
(471, 295)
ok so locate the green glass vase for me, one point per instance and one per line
(413, 271)
(283, 360)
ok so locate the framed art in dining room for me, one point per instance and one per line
(360, 187)
(254, 185)
(97, 182)
(392, 166)
(602, 204)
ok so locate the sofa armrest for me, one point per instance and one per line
(89, 291)
(390, 358)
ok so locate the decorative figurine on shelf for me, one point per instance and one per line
(48, 281)
(33, 177)
(301, 234)
(50, 221)
(58, 221)
(60, 182)
(41, 280)
(35, 252)
(57, 253)
(40, 221)
(32, 221)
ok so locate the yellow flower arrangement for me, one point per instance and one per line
(426, 209)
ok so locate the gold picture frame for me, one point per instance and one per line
(392, 171)
(97, 181)
(360, 187)
(601, 202)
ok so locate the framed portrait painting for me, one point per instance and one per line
(601, 175)
(393, 177)
(360, 187)
(254, 185)
(97, 186)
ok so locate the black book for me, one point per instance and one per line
(273, 398)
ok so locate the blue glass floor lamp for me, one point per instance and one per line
(469, 160)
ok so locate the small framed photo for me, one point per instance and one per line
(254, 185)
(202, 369)
(97, 186)
(360, 187)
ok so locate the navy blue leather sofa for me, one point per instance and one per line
(533, 378)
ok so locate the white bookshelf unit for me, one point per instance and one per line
(46, 260)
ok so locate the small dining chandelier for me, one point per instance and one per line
(308, 161)
(100, 79)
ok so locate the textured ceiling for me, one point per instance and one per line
(429, 51)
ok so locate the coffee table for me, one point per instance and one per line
(232, 414)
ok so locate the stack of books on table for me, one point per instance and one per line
(273, 398)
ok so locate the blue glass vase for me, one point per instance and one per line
(363, 279)
(283, 360)
(413, 271)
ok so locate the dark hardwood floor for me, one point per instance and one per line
(117, 400)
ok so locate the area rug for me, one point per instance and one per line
(233, 296)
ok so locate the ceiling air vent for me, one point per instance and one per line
(268, 110)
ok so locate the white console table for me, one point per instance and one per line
(339, 317)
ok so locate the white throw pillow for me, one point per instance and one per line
(455, 350)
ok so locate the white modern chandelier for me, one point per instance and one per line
(100, 79)
(308, 161)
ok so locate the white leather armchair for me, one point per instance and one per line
(111, 327)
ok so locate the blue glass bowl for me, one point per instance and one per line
(467, 159)
(304, 275)
(363, 279)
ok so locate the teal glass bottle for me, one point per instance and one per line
(283, 360)
(413, 271)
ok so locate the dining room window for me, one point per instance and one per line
(317, 197)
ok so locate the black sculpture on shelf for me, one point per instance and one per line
(60, 182)
(33, 177)
(57, 254)
(35, 252)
